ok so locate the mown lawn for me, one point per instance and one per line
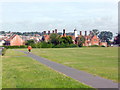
(0, 72)
(99, 61)
(20, 71)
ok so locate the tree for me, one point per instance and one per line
(117, 39)
(95, 32)
(66, 40)
(80, 41)
(105, 36)
(2, 32)
(54, 38)
(29, 42)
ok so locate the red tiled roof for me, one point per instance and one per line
(9, 39)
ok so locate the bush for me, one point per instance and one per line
(94, 46)
(80, 45)
(102, 46)
(3, 51)
(65, 45)
(39, 45)
(33, 45)
(60, 46)
(46, 45)
(12, 47)
(73, 45)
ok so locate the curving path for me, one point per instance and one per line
(81, 76)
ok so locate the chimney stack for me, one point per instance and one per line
(85, 33)
(75, 33)
(81, 33)
(90, 32)
(44, 32)
(48, 32)
(55, 30)
(64, 32)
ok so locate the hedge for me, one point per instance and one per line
(94, 46)
(11, 47)
(65, 46)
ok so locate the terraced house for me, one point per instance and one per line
(90, 39)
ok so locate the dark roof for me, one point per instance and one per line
(9, 39)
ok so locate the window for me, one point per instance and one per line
(95, 40)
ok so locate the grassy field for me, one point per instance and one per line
(20, 71)
(0, 72)
(99, 61)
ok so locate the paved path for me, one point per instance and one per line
(81, 76)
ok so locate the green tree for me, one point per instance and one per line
(117, 39)
(95, 32)
(54, 38)
(29, 42)
(80, 41)
(105, 36)
(66, 40)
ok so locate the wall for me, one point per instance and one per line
(16, 41)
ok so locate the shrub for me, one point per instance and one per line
(46, 45)
(12, 47)
(39, 45)
(80, 45)
(94, 46)
(65, 45)
(73, 45)
(23, 46)
(33, 45)
(102, 46)
(59, 46)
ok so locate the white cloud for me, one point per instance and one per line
(59, 0)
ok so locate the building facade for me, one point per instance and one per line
(14, 40)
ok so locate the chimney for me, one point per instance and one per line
(90, 32)
(55, 30)
(85, 33)
(81, 33)
(64, 32)
(48, 32)
(44, 32)
(75, 33)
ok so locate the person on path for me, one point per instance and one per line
(29, 48)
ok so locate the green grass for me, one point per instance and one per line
(20, 71)
(99, 61)
(0, 72)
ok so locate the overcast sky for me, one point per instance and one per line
(43, 15)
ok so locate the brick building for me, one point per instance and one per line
(14, 40)
(89, 39)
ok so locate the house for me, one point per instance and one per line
(14, 40)
(89, 39)
(103, 44)
(46, 38)
(92, 40)
(2, 42)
